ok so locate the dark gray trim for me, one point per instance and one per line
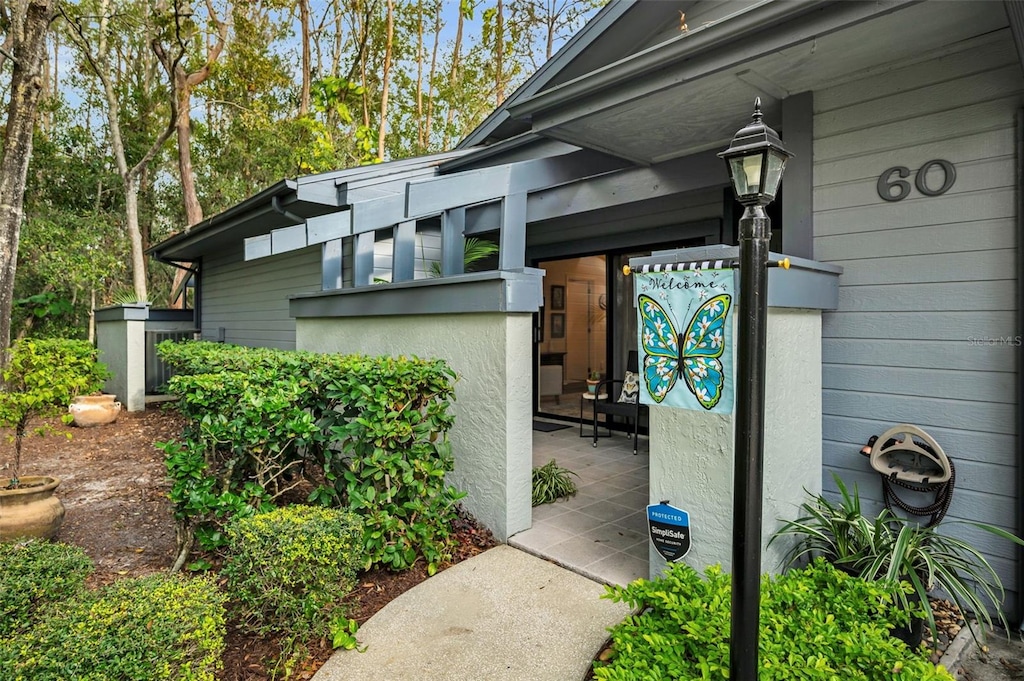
(222, 221)
(492, 291)
(798, 182)
(453, 241)
(1015, 15)
(403, 259)
(362, 265)
(575, 46)
(807, 284)
(518, 148)
(1019, 614)
(760, 29)
(170, 315)
(691, 173)
(129, 312)
(617, 242)
(512, 245)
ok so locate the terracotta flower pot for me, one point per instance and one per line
(94, 410)
(31, 510)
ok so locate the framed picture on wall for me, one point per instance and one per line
(557, 297)
(557, 324)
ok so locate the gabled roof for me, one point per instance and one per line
(594, 46)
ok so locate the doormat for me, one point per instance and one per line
(545, 427)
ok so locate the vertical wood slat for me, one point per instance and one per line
(453, 241)
(403, 257)
(330, 265)
(363, 265)
(512, 246)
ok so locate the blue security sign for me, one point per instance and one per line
(670, 530)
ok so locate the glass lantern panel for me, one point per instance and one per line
(773, 174)
(746, 174)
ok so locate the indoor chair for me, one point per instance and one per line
(626, 399)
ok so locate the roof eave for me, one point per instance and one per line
(729, 29)
(221, 221)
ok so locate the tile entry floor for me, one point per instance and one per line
(602, 531)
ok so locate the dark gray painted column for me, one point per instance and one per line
(403, 258)
(512, 249)
(798, 182)
(453, 241)
(363, 265)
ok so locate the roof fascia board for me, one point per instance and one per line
(594, 28)
(761, 29)
(216, 224)
(515, 147)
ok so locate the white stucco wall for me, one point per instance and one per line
(492, 439)
(691, 452)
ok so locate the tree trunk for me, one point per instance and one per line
(387, 80)
(499, 55)
(306, 58)
(29, 46)
(454, 78)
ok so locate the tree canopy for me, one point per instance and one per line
(154, 114)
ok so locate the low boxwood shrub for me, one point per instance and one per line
(33, 576)
(156, 627)
(260, 420)
(816, 624)
(288, 569)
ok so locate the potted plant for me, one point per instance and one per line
(914, 559)
(41, 378)
(592, 382)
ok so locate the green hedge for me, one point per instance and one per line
(33, 576)
(260, 420)
(156, 627)
(287, 569)
(817, 624)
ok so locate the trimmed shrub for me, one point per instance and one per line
(816, 624)
(155, 627)
(376, 426)
(289, 568)
(33, 576)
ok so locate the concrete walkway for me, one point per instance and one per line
(504, 614)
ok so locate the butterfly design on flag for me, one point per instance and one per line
(694, 355)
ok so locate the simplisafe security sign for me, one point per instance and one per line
(670, 530)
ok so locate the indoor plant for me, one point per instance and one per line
(594, 378)
(41, 378)
(915, 559)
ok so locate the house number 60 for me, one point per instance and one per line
(891, 189)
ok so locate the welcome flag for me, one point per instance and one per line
(686, 338)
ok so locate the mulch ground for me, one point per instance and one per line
(114, 488)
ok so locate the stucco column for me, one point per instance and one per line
(121, 340)
(692, 452)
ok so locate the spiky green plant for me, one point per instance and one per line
(551, 482)
(901, 552)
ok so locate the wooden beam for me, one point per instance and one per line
(362, 266)
(453, 242)
(797, 184)
(403, 256)
(701, 171)
(512, 247)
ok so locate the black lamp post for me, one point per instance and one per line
(756, 160)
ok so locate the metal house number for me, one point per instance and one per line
(891, 189)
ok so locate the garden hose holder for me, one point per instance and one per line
(908, 457)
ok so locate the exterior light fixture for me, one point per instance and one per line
(756, 160)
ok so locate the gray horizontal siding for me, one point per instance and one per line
(250, 299)
(925, 278)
